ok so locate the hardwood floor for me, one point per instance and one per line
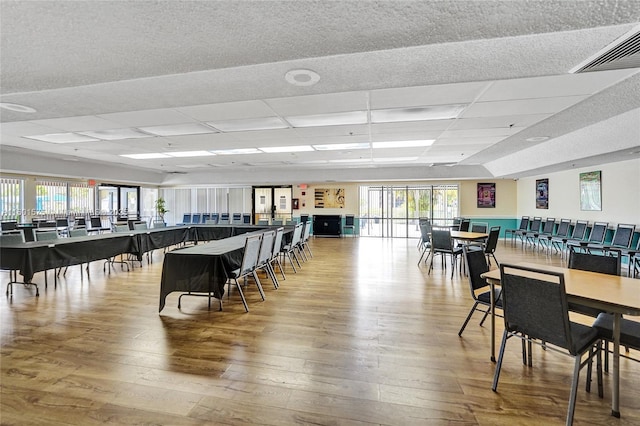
(360, 335)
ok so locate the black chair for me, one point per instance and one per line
(236, 218)
(476, 265)
(479, 227)
(215, 217)
(196, 218)
(492, 244)
(528, 237)
(535, 310)
(224, 219)
(629, 332)
(246, 219)
(9, 225)
(577, 235)
(593, 263)
(62, 226)
(547, 229)
(557, 239)
(464, 225)
(524, 226)
(206, 217)
(621, 240)
(442, 245)
(596, 237)
(425, 240)
(349, 223)
(96, 225)
(186, 219)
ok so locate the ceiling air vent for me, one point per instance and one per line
(622, 53)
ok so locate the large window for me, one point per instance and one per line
(393, 211)
(81, 199)
(181, 201)
(51, 198)
(11, 198)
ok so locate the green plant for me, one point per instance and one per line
(161, 208)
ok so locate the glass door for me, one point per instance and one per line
(272, 203)
(262, 202)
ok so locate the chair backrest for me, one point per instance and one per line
(224, 219)
(79, 221)
(251, 253)
(12, 238)
(237, 218)
(62, 222)
(196, 217)
(186, 218)
(263, 222)
(524, 223)
(425, 231)
(297, 234)
(95, 222)
(598, 232)
(535, 224)
(8, 226)
(479, 227)
(549, 225)
(476, 264)
(46, 236)
(140, 226)
(623, 236)
(307, 232)
(78, 232)
(215, 217)
(349, 220)
(441, 239)
(246, 219)
(205, 217)
(579, 230)
(121, 228)
(563, 228)
(266, 247)
(304, 218)
(536, 305)
(277, 243)
(595, 263)
(277, 222)
(492, 240)
(465, 224)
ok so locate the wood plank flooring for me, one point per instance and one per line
(359, 336)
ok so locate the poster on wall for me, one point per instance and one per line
(591, 191)
(331, 198)
(486, 195)
(542, 193)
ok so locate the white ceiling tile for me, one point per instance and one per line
(151, 117)
(498, 121)
(480, 133)
(319, 104)
(452, 142)
(228, 111)
(529, 106)
(78, 124)
(444, 94)
(352, 129)
(412, 126)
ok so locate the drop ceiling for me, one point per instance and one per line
(179, 93)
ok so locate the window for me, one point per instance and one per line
(393, 211)
(51, 198)
(81, 199)
(11, 199)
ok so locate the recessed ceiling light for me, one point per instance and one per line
(336, 119)
(339, 146)
(189, 153)
(178, 129)
(403, 144)
(62, 138)
(148, 156)
(537, 139)
(302, 77)
(236, 151)
(115, 134)
(438, 112)
(247, 124)
(276, 149)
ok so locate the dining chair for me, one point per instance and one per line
(441, 245)
(425, 240)
(304, 239)
(289, 251)
(534, 304)
(596, 237)
(48, 236)
(559, 237)
(476, 265)
(524, 225)
(464, 225)
(479, 227)
(349, 223)
(491, 244)
(263, 222)
(247, 268)
(577, 235)
(547, 229)
(265, 255)
(246, 219)
(528, 237)
(621, 240)
(277, 247)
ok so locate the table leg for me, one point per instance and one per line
(615, 393)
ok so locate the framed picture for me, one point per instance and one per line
(486, 195)
(295, 203)
(542, 193)
(329, 198)
(591, 191)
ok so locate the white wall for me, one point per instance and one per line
(620, 194)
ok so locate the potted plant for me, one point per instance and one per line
(161, 208)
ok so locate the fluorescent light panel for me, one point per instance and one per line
(403, 144)
(115, 134)
(237, 151)
(178, 129)
(339, 146)
(264, 123)
(276, 149)
(147, 156)
(62, 138)
(439, 112)
(336, 119)
(189, 153)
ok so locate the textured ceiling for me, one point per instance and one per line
(97, 66)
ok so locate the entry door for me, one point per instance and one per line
(272, 203)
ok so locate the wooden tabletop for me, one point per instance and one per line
(613, 292)
(469, 236)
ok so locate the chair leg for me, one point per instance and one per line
(574, 390)
(496, 375)
(466, 321)
(244, 301)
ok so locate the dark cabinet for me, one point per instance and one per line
(327, 225)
